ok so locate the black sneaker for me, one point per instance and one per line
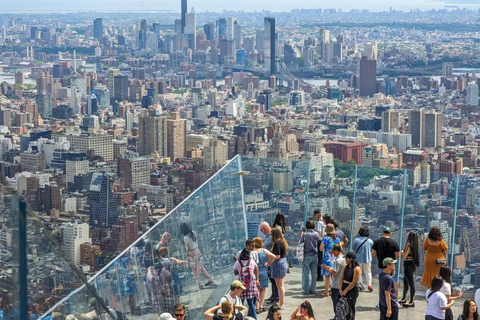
(269, 299)
(320, 278)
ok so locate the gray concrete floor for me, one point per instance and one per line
(366, 302)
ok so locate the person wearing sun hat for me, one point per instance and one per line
(328, 241)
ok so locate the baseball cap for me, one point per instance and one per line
(388, 261)
(166, 316)
(387, 229)
(351, 255)
(237, 284)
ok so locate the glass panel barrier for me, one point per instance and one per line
(187, 257)
(272, 186)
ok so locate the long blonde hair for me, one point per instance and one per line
(227, 310)
(277, 235)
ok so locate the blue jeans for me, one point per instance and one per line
(309, 268)
(252, 312)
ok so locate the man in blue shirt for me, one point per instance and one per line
(362, 245)
(388, 299)
(311, 241)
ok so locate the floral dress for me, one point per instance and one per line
(328, 257)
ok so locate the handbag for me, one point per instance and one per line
(300, 250)
(356, 251)
(360, 287)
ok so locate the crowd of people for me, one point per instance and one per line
(321, 252)
(263, 263)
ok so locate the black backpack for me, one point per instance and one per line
(343, 310)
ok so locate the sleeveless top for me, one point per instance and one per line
(347, 276)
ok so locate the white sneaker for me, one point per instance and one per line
(282, 307)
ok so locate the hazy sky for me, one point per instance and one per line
(215, 5)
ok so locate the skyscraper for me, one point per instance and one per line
(269, 46)
(368, 77)
(159, 134)
(415, 125)
(209, 30)
(120, 88)
(98, 28)
(472, 94)
(432, 129)
(184, 11)
(221, 28)
(103, 205)
(142, 35)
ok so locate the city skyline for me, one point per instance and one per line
(219, 6)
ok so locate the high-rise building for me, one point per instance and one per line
(103, 205)
(432, 129)
(221, 28)
(142, 35)
(209, 29)
(162, 135)
(415, 125)
(92, 104)
(134, 171)
(370, 50)
(184, 12)
(73, 236)
(99, 145)
(120, 87)
(391, 121)
(368, 77)
(176, 135)
(447, 69)
(472, 94)
(269, 46)
(152, 134)
(425, 126)
(98, 28)
(74, 168)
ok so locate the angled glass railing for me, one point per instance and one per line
(158, 270)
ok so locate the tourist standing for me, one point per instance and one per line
(362, 245)
(411, 262)
(436, 250)
(388, 299)
(336, 273)
(350, 277)
(328, 242)
(437, 302)
(264, 257)
(280, 265)
(320, 227)
(311, 241)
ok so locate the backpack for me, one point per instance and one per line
(237, 315)
(300, 250)
(343, 310)
(245, 275)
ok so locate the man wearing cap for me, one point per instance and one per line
(388, 298)
(236, 289)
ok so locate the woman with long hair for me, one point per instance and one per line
(264, 257)
(274, 313)
(303, 312)
(411, 262)
(470, 311)
(244, 263)
(349, 279)
(328, 241)
(437, 302)
(280, 264)
(194, 257)
(436, 250)
(280, 222)
(226, 314)
(446, 275)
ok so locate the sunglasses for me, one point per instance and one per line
(179, 315)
